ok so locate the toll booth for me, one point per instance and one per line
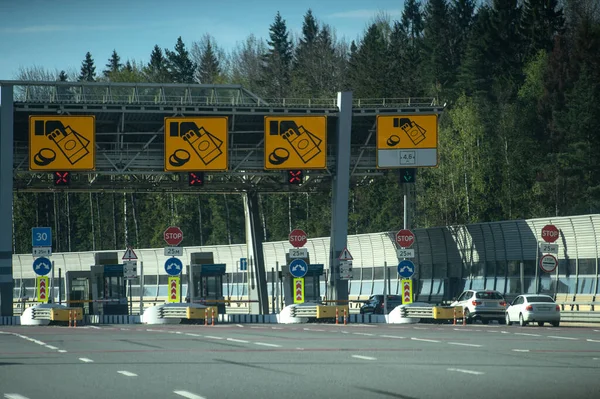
(101, 290)
(312, 284)
(205, 281)
(79, 290)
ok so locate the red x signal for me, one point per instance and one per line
(295, 176)
(62, 178)
(196, 179)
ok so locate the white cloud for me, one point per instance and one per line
(364, 13)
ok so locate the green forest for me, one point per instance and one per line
(521, 80)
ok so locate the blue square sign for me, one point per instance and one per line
(41, 237)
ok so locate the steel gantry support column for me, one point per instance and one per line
(257, 277)
(6, 192)
(340, 195)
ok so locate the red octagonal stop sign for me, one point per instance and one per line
(405, 238)
(298, 238)
(549, 233)
(173, 235)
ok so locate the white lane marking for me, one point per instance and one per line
(596, 358)
(188, 395)
(463, 344)
(421, 328)
(277, 328)
(597, 330)
(86, 360)
(494, 331)
(592, 340)
(51, 347)
(391, 336)
(62, 351)
(237, 340)
(554, 336)
(370, 335)
(364, 357)
(213, 337)
(95, 327)
(300, 349)
(239, 325)
(529, 335)
(193, 335)
(127, 373)
(178, 332)
(124, 329)
(258, 327)
(345, 332)
(424, 340)
(14, 396)
(520, 350)
(466, 371)
(263, 344)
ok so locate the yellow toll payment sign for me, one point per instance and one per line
(299, 290)
(296, 142)
(195, 144)
(407, 141)
(62, 143)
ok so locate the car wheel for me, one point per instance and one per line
(522, 321)
(467, 316)
(540, 324)
(507, 319)
(555, 323)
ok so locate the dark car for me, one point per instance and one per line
(375, 304)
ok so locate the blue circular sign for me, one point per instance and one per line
(298, 268)
(42, 266)
(406, 269)
(173, 266)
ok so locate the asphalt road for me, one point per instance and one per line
(299, 361)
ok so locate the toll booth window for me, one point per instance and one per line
(113, 287)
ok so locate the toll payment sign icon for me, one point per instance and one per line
(407, 140)
(195, 144)
(62, 142)
(293, 142)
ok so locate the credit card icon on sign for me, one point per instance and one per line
(70, 143)
(206, 145)
(302, 141)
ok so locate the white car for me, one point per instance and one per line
(530, 308)
(484, 305)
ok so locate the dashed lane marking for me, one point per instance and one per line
(466, 371)
(463, 344)
(62, 351)
(213, 337)
(425, 340)
(367, 334)
(127, 373)
(264, 344)
(554, 336)
(51, 347)
(364, 357)
(86, 360)
(238, 340)
(240, 325)
(14, 396)
(193, 335)
(188, 395)
(529, 335)
(95, 327)
(391, 336)
(520, 350)
(592, 340)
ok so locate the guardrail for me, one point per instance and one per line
(578, 316)
(417, 312)
(41, 313)
(304, 311)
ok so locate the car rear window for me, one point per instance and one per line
(540, 299)
(488, 295)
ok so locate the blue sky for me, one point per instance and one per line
(56, 34)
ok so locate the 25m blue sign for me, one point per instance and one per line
(41, 237)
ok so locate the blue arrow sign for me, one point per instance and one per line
(41, 237)
(406, 269)
(298, 268)
(42, 266)
(243, 263)
(173, 266)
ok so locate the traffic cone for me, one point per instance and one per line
(345, 317)
(454, 323)
(213, 316)
(337, 315)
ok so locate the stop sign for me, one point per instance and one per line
(297, 238)
(549, 233)
(405, 238)
(173, 235)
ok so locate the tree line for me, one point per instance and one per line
(519, 137)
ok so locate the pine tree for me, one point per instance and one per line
(209, 69)
(506, 49)
(277, 61)
(180, 67)
(412, 20)
(541, 21)
(156, 70)
(437, 57)
(462, 18)
(369, 67)
(114, 64)
(62, 76)
(88, 70)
